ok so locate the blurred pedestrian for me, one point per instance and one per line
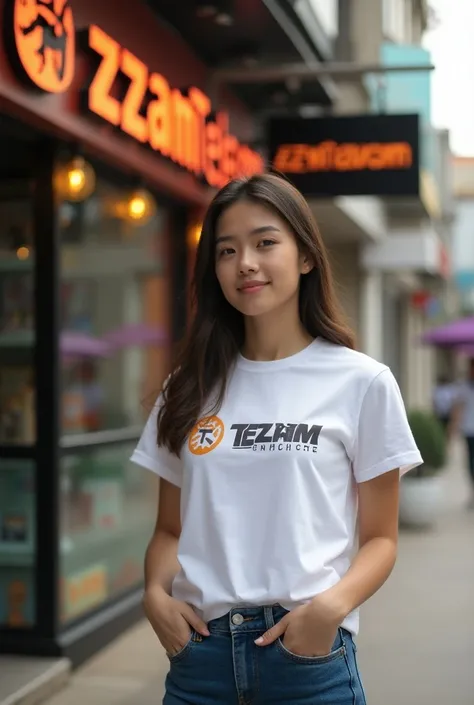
(462, 422)
(272, 435)
(444, 397)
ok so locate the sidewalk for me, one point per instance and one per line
(417, 633)
(416, 641)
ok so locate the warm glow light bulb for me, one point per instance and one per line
(194, 234)
(23, 253)
(197, 234)
(76, 178)
(137, 207)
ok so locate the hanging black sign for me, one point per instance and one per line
(347, 156)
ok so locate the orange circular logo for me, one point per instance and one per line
(45, 42)
(206, 435)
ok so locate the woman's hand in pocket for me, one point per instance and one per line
(171, 619)
(309, 635)
(309, 630)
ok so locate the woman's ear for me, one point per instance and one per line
(306, 265)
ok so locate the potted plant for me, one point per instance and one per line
(421, 490)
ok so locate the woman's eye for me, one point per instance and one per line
(266, 243)
(226, 251)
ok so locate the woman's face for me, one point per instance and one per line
(258, 263)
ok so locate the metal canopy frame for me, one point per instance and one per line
(347, 71)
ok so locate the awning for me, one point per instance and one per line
(459, 334)
(350, 218)
(415, 250)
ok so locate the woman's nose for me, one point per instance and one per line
(247, 263)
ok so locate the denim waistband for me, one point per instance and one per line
(248, 619)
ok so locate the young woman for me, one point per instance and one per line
(271, 437)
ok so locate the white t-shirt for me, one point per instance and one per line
(268, 494)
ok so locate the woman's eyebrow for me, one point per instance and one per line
(256, 231)
(224, 238)
(265, 229)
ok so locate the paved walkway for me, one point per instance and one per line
(417, 634)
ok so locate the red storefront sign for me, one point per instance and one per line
(180, 126)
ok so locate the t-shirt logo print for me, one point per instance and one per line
(206, 435)
(276, 436)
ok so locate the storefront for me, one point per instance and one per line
(106, 162)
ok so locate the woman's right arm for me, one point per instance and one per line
(161, 562)
(170, 618)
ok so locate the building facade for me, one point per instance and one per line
(463, 243)
(391, 252)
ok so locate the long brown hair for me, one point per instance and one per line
(217, 331)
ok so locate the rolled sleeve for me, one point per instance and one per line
(384, 439)
(149, 455)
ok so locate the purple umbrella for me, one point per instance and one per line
(75, 344)
(135, 334)
(455, 334)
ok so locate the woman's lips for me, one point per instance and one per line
(252, 287)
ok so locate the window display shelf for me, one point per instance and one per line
(13, 264)
(17, 557)
(85, 540)
(17, 339)
(100, 438)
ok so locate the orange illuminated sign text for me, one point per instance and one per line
(180, 127)
(332, 156)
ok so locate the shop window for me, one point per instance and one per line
(108, 511)
(17, 405)
(114, 342)
(115, 328)
(17, 543)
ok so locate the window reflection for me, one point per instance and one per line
(114, 312)
(17, 543)
(114, 349)
(107, 515)
(17, 399)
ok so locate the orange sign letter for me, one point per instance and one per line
(100, 100)
(159, 115)
(132, 122)
(186, 133)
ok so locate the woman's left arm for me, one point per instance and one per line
(378, 539)
(384, 449)
(378, 536)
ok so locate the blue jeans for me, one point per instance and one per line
(227, 668)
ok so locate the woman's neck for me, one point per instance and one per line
(274, 337)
